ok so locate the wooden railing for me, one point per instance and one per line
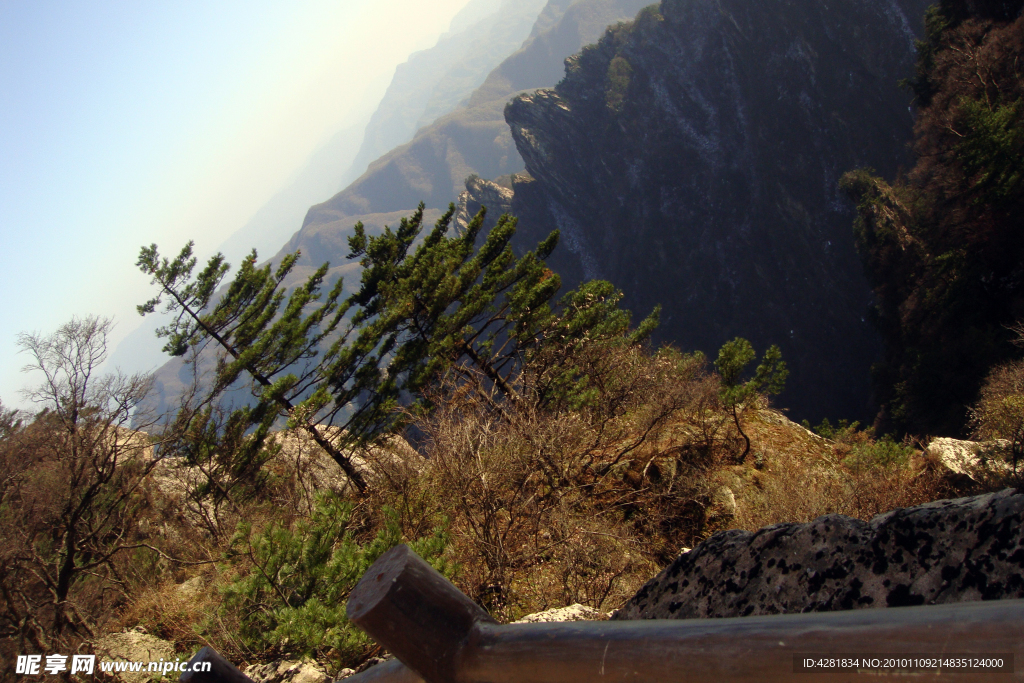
(438, 635)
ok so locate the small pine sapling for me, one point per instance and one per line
(769, 378)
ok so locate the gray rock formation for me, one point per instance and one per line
(692, 158)
(134, 645)
(974, 459)
(946, 551)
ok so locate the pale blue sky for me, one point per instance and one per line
(124, 123)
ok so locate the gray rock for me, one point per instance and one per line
(134, 645)
(979, 460)
(190, 589)
(941, 552)
(287, 671)
(725, 500)
(574, 612)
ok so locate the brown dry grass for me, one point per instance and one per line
(805, 476)
(548, 505)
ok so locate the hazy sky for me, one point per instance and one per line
(124, 123)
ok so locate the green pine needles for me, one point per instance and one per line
(425, 305)
(769, 378)
(294, 595)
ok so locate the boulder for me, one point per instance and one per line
(134, 645)
(287, 671)
(977, 460)
(189, 590)
(574, 612)
(941, 552)
(724, 501)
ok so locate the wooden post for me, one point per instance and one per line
(221, 670)
(445, 638)
(416, 613)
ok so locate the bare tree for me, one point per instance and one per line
(70, 488)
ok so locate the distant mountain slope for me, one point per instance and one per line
(474, 138)
(693, 159)
(482, 34)
(433, 167)
(433, 82)
(328, 170)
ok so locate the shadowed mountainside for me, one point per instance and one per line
(693, 157)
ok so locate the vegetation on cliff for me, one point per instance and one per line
(564, 463)
(942, 245)
(692, 157)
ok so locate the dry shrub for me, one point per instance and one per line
(173, 611)
(800, 489)
(998, 416)
(69, 496)
(567, 496)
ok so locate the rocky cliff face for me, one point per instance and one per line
(692, 158)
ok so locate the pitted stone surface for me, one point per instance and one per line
(946, 551)
(287, 671)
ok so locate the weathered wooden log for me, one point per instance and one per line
(428, 625)
(221, 670)
(420, 617)
(749, 649)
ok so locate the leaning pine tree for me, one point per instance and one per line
(323, 361)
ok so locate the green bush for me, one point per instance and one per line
(841, 432)
(291, 598)
(882, 453)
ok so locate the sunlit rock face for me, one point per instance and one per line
(692, 158)
(942, 552)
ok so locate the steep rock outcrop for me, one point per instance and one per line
(692, 158)
(941, 552)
